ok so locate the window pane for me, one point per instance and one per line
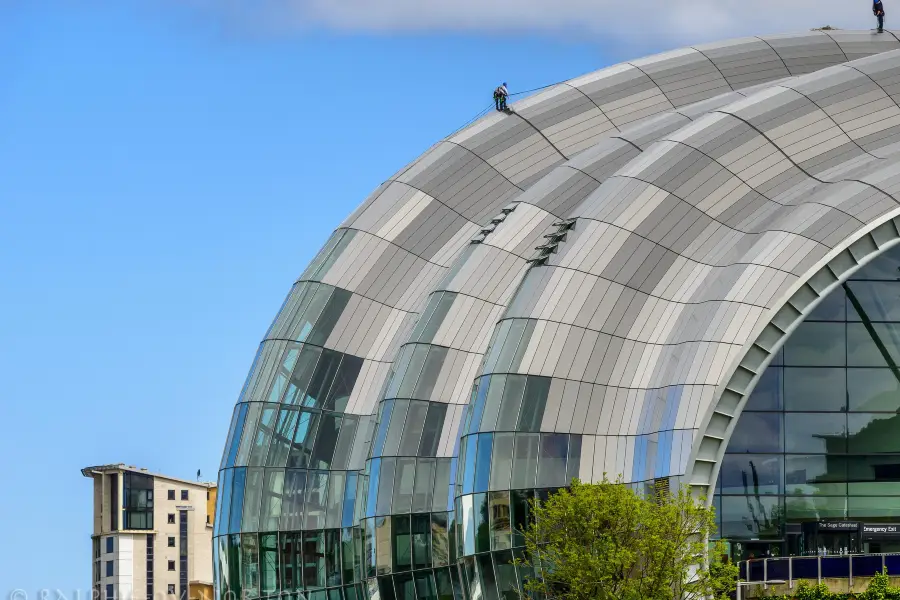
(757, 432)
(511, 403)
(873, 475)
(482, 523)
(499, 512)
(431, 434)
(816, 433)
(815, 389)
(404, 479)
(424, 487)
(502, 461)
(334, 500)
(506, 576)
(268, 563)
(284, 433)
(873, 390)
(271, 500)
(816, 345)
(313, 559)
(237, 501)
(492, 403)
(395, 430)
(487, 576)
(875, 346)
(304, 436)
(303, 372)
(440, 539)
(326, 440)
(316, 487)
(413, 428)
(402, 544)
(469, 448)
(421, 541)
(411, 376)
(832, 307)
(385, 487)
(815, 475)
(483, 462)
(533, 403)
(525, 461)
(552, 461)
(813, 508)
(322, 379)
(437, 355)
(873, 507)
(873, 432)
(521, 514)
(344, 445)
(343, 383)
(252, 497)
(748, 517)
(292, 503)
(878, 301)
(768, 393)
(751, 474)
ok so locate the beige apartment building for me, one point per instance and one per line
(152, 535)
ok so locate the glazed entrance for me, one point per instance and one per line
(813, 464)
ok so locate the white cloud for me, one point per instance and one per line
(675, 21)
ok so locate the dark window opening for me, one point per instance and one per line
(138, 501)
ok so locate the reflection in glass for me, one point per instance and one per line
(747, 517)
(822, 389)
(877, 301)
(751, 474)
(757, 433)
(869, 433)
(814, 508)
(768, 393)
(873, 344)
(873, 390)
(816, 345)
(815, 433)
(815, 474)
(831, 308)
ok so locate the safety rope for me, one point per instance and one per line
(490, 106)
(543, 87)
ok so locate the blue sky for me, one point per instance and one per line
(164, 177)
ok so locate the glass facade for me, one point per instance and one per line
(138, 501)
(819, 438)
(535, 299)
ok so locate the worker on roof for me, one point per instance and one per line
(500, 96)
(878, 9)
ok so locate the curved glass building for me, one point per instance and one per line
(677, 269)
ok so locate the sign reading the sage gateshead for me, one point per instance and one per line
(838, 526)
(881, 529)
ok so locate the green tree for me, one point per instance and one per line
(605, 541)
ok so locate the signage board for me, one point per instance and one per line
(880, 529)
(838, 526)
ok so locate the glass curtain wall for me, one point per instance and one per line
(819, 438)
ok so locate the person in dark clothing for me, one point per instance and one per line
(500, 96)
(878, 9)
